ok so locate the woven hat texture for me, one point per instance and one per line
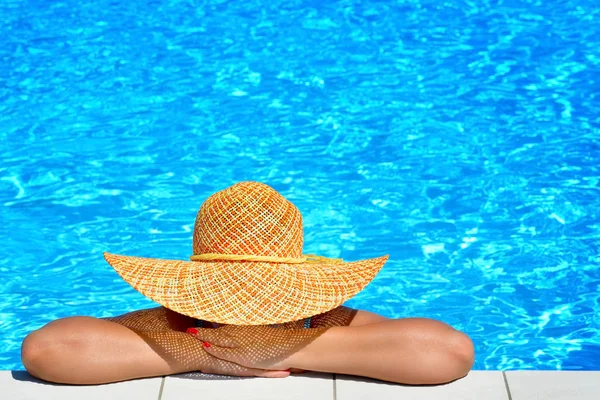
(248, 267)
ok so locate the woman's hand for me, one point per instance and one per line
(262, 347)
(161, 327)
(214, 365)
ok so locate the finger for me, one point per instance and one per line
(213, 336)
(273, 374)
(223, 353)
(261, 373)
(222, 367)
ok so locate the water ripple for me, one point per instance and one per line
(461, 138)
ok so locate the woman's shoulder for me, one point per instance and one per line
(336, 317)
(345, 316)
(339, 316)
(152, 319)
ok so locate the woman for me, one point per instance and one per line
(273, 311)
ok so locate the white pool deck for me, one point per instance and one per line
(478, 385)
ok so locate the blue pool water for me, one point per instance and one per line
(462, 138)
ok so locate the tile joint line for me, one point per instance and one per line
(162, 386)
(506, 386)
(334, 387)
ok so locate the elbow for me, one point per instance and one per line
(39, 355)
(462, 355)
(34, 352)
(453, 359)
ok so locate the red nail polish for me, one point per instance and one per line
(192, 331)
(206, 344)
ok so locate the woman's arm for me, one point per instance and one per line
(85, 350)
(145, 343)
(411, 351)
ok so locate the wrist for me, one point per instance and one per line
(204, 362)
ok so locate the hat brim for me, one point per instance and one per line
(245, 292)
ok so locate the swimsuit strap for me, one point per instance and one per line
(307, 323)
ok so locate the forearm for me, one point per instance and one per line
(94, 351)
(411, 351)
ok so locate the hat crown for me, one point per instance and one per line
(249, 218)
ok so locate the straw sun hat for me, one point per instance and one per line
(247, 267)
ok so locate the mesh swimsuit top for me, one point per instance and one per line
(200, 323)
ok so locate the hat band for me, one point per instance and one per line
(305, 259)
